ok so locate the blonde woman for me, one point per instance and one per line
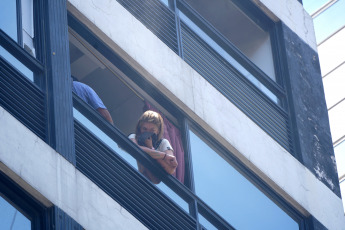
(149, 137)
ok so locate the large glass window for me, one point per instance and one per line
(240, 30)
(231, 194)
(228, 57)
(17, 21)
(8, 18)
(11, 218)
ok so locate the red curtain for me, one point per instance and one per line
(173, 135)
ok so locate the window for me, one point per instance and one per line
(12, 218)
(123, 99)
(18, 209)
(17, 21)
(240, 30)
(228, 57)
(242, 41)
(230, 193)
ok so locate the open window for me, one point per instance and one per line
(124, 99)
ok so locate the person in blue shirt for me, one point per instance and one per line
(87, 94)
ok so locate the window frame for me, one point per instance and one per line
(276, 87)
(242, 169)
(18, 197)
(35, 64)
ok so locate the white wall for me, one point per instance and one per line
(203, 103)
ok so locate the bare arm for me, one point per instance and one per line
(169, 163)
(105, 113)
(166, 159)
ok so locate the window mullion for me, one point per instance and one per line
(19, 23)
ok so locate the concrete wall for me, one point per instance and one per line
(51, 179)
(203, 103)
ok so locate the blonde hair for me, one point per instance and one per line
(151, 117)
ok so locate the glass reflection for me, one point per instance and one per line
(104, 137)
(231, 195)
(170, 193)
(205, 223)
(11, 218)
(17, 64)
(8, 18)
(166, 2)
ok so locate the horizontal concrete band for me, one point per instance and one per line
(203, 103)
(51, 179)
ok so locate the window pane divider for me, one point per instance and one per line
(18, 52)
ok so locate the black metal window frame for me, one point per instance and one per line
(41, 217)
(276, 87)
(15, 47)
(186, 192)
(20, 96)
(23, 201)
(300, 219)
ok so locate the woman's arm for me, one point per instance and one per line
(169, 163)
(166, 159)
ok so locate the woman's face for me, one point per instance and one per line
(149, 127)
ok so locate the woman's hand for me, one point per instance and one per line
(169, 163)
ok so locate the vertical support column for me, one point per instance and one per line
(58, 219)
(58, 80)
(308, 109)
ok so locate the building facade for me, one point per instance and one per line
(237, 82)
(330, 43)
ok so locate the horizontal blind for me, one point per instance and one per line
(20, 97)
(159, 19)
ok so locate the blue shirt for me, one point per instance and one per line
(87, 94)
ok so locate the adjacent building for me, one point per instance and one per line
(238, 84)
